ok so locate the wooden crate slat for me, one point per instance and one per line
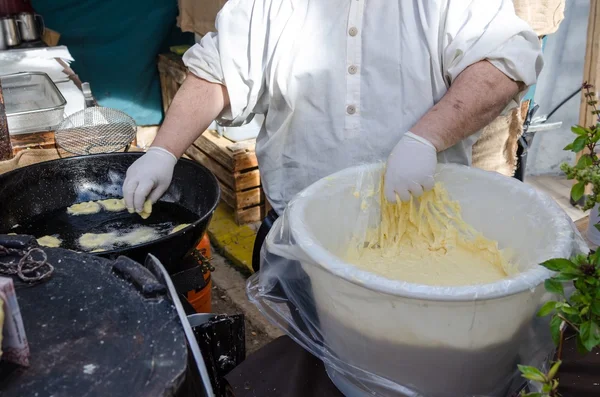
(248, 198)
(219, 148)
(241, 162)
(224, 175)
(215, 151)
(241, 200)
(237, 181)
(247, 180)
(227, 195)
(172, 65)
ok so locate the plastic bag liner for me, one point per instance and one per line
(383, 337)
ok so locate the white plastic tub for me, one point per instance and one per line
(441, 341)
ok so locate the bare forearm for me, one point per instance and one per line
(195, 106)
(476, 98)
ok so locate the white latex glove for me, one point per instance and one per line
(148, 177)
(410, 168)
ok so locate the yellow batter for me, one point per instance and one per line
(146, 210)
(138, 236)
(97, 242)
(49, 241)
(92, 241)
(426, 241)
(87, 208)
(179, 227)
(113, 205)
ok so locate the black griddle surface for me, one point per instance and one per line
(93, 334)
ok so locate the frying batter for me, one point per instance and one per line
(138, 236)
(179, 227)
(426, 241)
(87, 208)
(49, 241)
(91, 241)
(113, 205)
(146, 210)
(94, 242)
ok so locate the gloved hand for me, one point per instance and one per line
(410, 168)
(148, 177)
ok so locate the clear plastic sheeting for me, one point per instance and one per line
(383, 337)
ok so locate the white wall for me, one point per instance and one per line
(563, 73)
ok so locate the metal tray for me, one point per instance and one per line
(33, 102)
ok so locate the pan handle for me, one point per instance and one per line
(20, 242)
(139, 276)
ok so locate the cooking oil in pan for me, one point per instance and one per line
(69, 228)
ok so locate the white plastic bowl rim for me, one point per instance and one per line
(527, 280)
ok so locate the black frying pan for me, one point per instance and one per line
(33, 200)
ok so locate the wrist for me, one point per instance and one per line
(163, 153)
(424, 140)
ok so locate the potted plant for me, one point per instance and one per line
(587, 170)
(575, 317)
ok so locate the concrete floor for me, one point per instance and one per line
(256, 337)
(229, 297)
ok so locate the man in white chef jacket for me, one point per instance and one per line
(345, 82)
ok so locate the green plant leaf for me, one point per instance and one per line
(579, 130)
(531, 395)
(580, 285)
(584, 161)
(595, 307)
(553, 286)
(580, 346)
(554, 370)
(532, 373)
(569, 147)
(597, 226)
(577, 191)
(596, 136)
(576, 298)
(570, 310)
(555, 324)
(546, 309)
(578, 144)
(558, 264)
(590, 335)
(594, 258)
(566, 276)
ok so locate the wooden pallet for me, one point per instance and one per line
(172, 73)
(234, 164)
(236, 168)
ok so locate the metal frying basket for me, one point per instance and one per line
(96, 130)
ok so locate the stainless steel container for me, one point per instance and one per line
(3, 45)
(28, 26)
(33, 103)
(10, 31)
